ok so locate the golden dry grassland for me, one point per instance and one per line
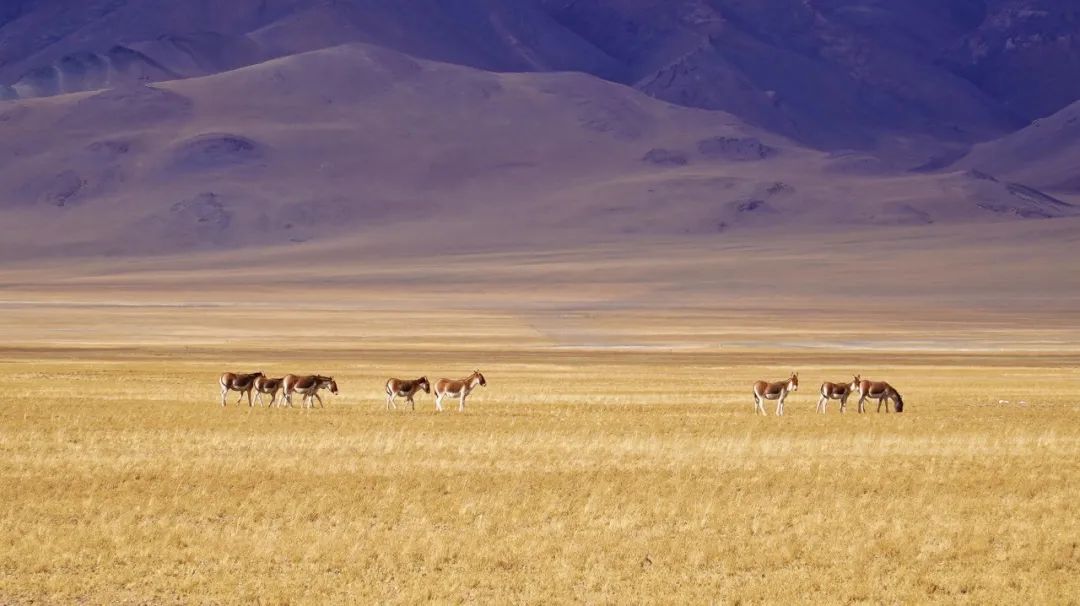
(575, 476)
(613, 458)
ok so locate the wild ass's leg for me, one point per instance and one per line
(822, 401)
(780, 405)
(862, 408)
(224, 391)
(438, 402)
(843, 402)
(411, 402)
(319, 398)
(461, 403)
(390, 401)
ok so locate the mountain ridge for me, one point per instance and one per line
(834, 74)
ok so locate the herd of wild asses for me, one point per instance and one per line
(309, 385)
(876, 390)
(306, 385)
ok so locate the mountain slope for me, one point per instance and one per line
(346, 138)
(1046, 154)
(365, 141)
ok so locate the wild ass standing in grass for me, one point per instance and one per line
(307, 386)
(267, 386)
(837, 391)
(457, 389)
(405, 389)
(774, 391)
(243, 383)
(883, 392)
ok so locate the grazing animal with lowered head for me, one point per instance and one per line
(837, 391)
(269, 387)
(459, 389)
(308, 386)
(242, 383)
(406, 389)
(882, 392)
(763, 390)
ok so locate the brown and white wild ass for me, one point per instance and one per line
(307, 386)
(837, 391)
(459, 389)
(778, 391)
(267, 386)
(406, 389)
(231, 381)
(883, 392)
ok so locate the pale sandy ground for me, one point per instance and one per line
(1007, 286)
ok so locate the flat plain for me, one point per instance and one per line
(574, 476)
(614, 456)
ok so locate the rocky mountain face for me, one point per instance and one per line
(1022, 53)
(833, 74)
(844, 73)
